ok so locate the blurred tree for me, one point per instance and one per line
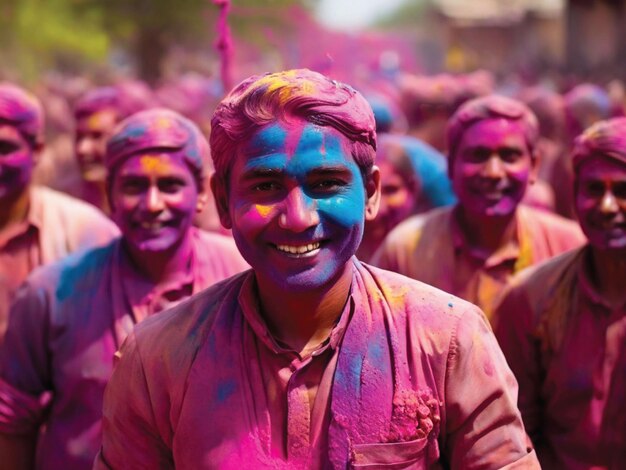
(149, 28)
(41, 34)
(38, 34)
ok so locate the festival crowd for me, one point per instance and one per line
(406, 272)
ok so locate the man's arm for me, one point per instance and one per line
(24, 378)
(513, 323)
(483, 425)
(130, 437)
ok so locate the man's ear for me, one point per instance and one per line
(204, 193)
(372, 192)
(38, 149)
(535, 161)
(220, 192)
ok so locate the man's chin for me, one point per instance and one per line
(152, 246)
(94, 174)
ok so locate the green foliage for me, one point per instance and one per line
(44, 32)
(409, 14)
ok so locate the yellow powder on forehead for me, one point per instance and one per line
(97, 119)
(154, 163)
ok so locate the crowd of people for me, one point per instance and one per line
(424, 273)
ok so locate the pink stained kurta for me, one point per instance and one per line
(432, 248)
(56, 226)
(66, 324)
(562, 342)
(408, 375)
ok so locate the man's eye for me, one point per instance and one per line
(619, 190)
(132, 187)
(594, 189)
(388, 190)
(7, 148)
(266, 186)
(328, 185)
(171, 186)
(477, 155)
(510, 155)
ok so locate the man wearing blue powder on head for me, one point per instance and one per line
(311, 359)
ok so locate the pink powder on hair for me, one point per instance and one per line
(23, 111)
(603, 138)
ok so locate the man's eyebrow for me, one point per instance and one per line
(329, 170)
(253, 173)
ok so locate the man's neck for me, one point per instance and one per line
(94, 192)
(303, 320)
(607, 272)
(14, 209)
(162, 267)
(487, 233)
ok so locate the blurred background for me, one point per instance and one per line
(415, 61)
(155, 40)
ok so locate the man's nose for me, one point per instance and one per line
(85, 146)
(608, 203)
(494, 168)
(153, 200)
(299, 212)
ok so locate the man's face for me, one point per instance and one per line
(92, 132)
(297, 203)
(601, 202)
(492, 167)
(397, 200)
(16, 162)
(154, 198)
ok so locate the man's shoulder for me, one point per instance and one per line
(81, 224)
(64, 203)
(408, 232)
(77, 267)
(217, 243)
(539, 282)
(187, 324)
(552, 224)
(422, 302)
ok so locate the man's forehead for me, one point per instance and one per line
(601, 166)
(302, 143)
(154, 163)
(485, 130)
(103, 118)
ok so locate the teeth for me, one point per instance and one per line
(151, 225)
(298, 250)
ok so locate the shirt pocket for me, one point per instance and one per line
(390, 455)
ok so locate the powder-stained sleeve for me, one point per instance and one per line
(25, 380)
(514, 330)
(130, 438)
(483, 426)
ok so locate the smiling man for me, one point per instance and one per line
(70, 318)
(562, 324)
(96, 114)
(472, 249)
(37, 225)
(311, 359)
